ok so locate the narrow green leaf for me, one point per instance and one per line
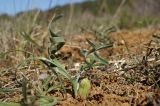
(104, 46)
(56, 66)
(103, 61)
(56, 42)
(89, 64)
(91, 43)
(93, 47)
(75, 85)
(62, 72)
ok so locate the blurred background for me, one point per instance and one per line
(32, 17)
(127, 27)
(122, 13)
(12, 7)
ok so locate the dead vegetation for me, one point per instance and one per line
(131, 78)
(43, 67)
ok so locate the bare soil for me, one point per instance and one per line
(109, 87)
(123, 82)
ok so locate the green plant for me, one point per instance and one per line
(102, 33)
(40, 100)
(91, 59)
(84, 88)
(57, 68)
